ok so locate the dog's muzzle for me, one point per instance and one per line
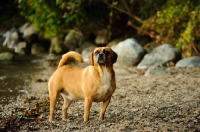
(101, 58)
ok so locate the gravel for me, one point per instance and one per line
(169, 102)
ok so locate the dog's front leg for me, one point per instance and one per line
(103, 108)
(87, 106)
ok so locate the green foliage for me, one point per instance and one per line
(52, 16)
(58, 49)
(176, 24)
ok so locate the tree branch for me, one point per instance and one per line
(126, 6)
(138, 29)
(124, 11)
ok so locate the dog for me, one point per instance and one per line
(95, 83)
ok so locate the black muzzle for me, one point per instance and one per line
(101, 58)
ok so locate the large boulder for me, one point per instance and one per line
(21, 39)
(129, 51)
(157, 70)
(28, 29)
(88, 48)
(160, 55)
(20, 48)
(74, 40)
(193, 61)
(115, 41)
(11, 38)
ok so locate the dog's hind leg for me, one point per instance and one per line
(103, 108)
(53, 98)
(65, 106)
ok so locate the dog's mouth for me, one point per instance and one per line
(101, 59)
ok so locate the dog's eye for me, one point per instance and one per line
(97, 52)
(105, 52)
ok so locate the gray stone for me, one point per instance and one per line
(86, 52)
(160, 55)
(9, 35)
(189, 62)
(157, 70)
(6, 56)
(130, 53)
(20, 47)
(74, 40)
(115, 41)
(28, 29)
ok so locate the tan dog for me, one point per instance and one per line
(95, 83)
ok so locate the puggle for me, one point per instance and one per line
(95, 83)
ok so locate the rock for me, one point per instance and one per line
(28, 29)
(74, 40)
(189, 62)
(20, 48)
(21, 39)
(160, 55)
(102, 37)
(15, 35)
(34, 39)
(6, 56)
(86, 51)
(11, 37)
(115, 41)
(129, 51)
(156, 70)
(57, 46)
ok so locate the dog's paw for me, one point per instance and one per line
(101, 117)
(86, 122)
(52, 122)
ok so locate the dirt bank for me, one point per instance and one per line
(140, 103)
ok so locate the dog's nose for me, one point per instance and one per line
(101, 54)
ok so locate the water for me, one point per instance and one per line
(16, 76)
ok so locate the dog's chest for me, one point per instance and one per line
(105, 87)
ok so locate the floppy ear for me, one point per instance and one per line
(114, 56)
(91, 61)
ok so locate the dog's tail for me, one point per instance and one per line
(68, 56)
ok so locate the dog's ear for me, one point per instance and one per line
(114, 56)
(91, 60)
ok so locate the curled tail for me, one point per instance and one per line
(68, 56)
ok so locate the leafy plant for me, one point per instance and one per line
(176, 24)
(52, 17)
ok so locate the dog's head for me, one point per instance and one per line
(103, 56)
